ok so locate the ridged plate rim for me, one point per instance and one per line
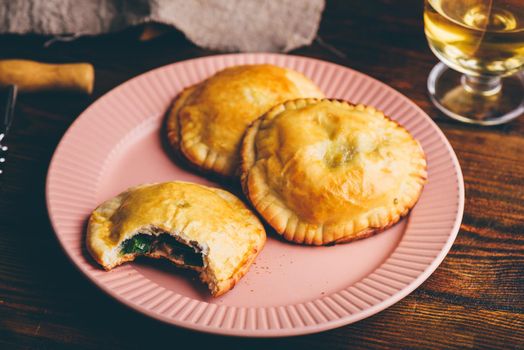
(316, 315)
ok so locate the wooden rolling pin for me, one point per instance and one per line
(31, 76)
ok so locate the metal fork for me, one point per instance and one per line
(7, 121)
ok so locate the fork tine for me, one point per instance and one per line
(12, 92)
(8, 117)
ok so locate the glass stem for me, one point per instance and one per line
(481, 85)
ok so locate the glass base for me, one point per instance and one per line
(476, 100)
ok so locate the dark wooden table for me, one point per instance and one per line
(474, 299)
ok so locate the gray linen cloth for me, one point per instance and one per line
(228, 25)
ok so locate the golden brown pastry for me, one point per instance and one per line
(197, 227)
(326, 171)
(207, 120)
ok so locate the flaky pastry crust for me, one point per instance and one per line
(327, 171)
(229, 235)
(206, 122)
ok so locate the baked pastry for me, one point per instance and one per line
(327, 171)
(197, 227)
(207, 121)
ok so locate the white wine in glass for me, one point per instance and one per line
(484, 41)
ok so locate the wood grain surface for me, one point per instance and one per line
(475, 299)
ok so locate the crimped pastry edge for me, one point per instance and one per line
(172, 125)
(311, 234)
(216, 287)
(213, 163)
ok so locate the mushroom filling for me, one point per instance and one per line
(165, 245)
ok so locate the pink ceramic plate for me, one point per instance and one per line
(291, 289)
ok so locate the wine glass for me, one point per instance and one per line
(480, 44)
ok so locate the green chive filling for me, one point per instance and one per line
(139, 244)
(142, 244)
